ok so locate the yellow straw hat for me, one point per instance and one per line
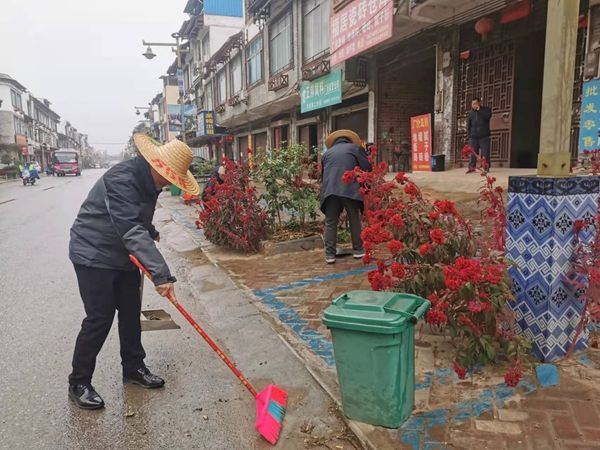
(171, 160)
(342, 133)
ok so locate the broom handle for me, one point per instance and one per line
(202, 333)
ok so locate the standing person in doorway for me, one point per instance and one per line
(115, 221)
(478, 132)
(343, 153)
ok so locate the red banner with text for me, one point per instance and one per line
(420, 131)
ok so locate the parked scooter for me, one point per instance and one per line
(27, 177)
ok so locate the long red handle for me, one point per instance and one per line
(202, 333)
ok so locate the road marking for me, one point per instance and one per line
(7, 201)
(48, 188)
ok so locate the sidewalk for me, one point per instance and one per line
(294, 290)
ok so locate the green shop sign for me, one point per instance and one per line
(322, 92)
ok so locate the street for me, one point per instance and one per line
(202, 405)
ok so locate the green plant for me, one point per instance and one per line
(281, 172)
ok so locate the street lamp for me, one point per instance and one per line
(149, 54)
(176, 47)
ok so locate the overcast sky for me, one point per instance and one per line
(85, 57)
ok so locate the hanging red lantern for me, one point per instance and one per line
(484, 26)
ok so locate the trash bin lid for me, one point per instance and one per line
(375, 312)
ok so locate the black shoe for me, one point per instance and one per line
(144, 378)
(85, 396)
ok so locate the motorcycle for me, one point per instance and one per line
(27, 178)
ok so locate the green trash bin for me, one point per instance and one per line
(175, 190)
(374, 345)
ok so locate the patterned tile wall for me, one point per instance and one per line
(541, 213)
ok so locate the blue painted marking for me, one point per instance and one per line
(586, 361)
(547, 375)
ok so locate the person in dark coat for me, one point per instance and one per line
(344, 153)
(478, 132)
(115, 221)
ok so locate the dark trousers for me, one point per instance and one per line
(103, 292)
(482, 147)
(334, 206)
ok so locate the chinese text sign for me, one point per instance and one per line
(589, 132)
(322, 92)
(359, 26)
(420, 132)
(206, 123)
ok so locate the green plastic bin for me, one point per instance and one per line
(175, 190)
(374, 345)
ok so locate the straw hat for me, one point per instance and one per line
(342, 133)
(171, 161)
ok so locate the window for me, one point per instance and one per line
(254, 55)
(221, 87)
(315, 28)
(236, 75)
(15, 98)
(208, 97)
(20, 127)
(280, 48)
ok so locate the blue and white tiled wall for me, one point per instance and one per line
(540, 241)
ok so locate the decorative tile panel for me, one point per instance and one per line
(540, 241)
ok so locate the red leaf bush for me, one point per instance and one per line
(584, 276)
(427, 248)
(231, 215)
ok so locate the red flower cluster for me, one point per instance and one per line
(467, 151)
(348, 177)
(470, 270)
(437, 236)
(445, 207)
(398, 270)
(513, 375)
(395, 247)
(436, 317)
(460, 370)
(425, 249)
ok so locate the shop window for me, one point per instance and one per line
(315, 28)
(280, 47)
(255, 63)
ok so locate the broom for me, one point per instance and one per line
(270, 402)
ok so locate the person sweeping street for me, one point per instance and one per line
(344, 153)
(114, 222)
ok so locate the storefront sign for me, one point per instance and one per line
(322, 92)
(206, 123)
(359, 26)
(420, 131)
(589, 133)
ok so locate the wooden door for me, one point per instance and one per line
(488, 73)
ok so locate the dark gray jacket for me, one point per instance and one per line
(478, 125)
(340, 158)
(116, 220)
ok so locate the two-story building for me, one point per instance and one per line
(13, 127)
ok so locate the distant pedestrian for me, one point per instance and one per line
(115, 221)
(344, 153)
(478, 132)
(216, 178)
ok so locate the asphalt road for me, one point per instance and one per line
(202, 406)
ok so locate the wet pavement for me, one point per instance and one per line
(202, 405)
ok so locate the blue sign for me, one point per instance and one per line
(322, 92)
(589, 125)
(206, 123)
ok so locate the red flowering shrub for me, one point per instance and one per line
(232, 216)
(584, 276)
(590, 161)
(428, 249)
